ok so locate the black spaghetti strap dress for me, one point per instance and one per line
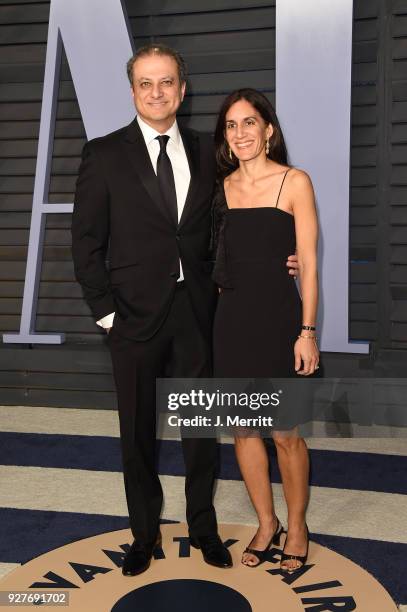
(259, 311)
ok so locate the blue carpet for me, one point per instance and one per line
(25, 534)
(343, 470)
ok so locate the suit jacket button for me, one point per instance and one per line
(173, 274)
(177, 237)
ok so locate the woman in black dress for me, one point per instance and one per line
(264, 210)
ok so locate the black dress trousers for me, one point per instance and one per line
(177, 349)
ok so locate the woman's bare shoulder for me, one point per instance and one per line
(299, 178)
(301, 192)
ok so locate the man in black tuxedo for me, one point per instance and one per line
(147, 188)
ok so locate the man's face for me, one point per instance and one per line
(157, 91)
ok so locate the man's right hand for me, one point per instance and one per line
(292, 265)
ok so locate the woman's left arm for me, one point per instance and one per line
(306, 231)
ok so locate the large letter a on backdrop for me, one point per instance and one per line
(97, 44)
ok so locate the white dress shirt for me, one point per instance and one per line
(180, 168)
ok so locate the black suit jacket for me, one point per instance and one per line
(118, 206)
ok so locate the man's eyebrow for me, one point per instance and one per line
(150, 79)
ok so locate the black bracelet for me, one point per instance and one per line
(308, 327)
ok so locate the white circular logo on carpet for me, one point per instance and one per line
(178, 580)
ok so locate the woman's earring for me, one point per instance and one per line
(267, 146)
(230, 153)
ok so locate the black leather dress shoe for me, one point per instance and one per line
(213, 550)
(137, 560)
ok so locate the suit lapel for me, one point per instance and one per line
(191, 146)
(140, 159)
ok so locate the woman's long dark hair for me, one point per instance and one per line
(277, 147)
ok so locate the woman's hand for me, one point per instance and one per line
(306, 352)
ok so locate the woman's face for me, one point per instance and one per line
(245, 131)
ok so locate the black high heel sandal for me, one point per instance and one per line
(261, 554)
(302, 559)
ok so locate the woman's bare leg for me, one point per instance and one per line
(293, 461)
(254, 466)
